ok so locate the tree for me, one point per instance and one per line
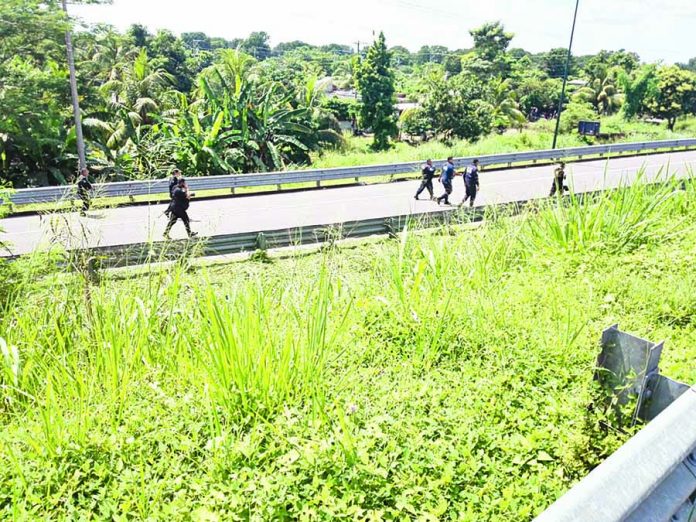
(453, 64)
(457, 107)
(256, 44)
(542, 95)
(506, 110)
(690, 65)
(375, 82)
(431, 54)
(337, 49)
(627, 61)
(138, 35)
(637, 87)
(554, 62)
(168, 52)
(601, 92)
(491, 40)
(401, 56)
(34, 129)
(284, 47)
(674, 94)
(415, 122)
(196, 41)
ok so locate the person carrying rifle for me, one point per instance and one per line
(173, 185)
(84, 187)
(559, 177)
(427, 183)
(179, 206)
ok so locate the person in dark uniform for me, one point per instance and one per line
(179, 206)
(471, 182)
(446, 179)
(427, 183)
(559, 177)
(173, 185)
(83, 191)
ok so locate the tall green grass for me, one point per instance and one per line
(445, 374)
(535, 136)
(611, 221)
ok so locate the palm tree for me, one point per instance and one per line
(601, 92)
(270, 130)
(506, 109)
(110, 58)
(135, 97)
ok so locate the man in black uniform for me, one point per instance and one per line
(173, 185)
(446, 178)
(471, 182)
(179, 206)
(83, 189)
(427, 183)
(559, 177)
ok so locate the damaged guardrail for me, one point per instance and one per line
(652, 477)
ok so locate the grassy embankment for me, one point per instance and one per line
(535, 136)
(444, 375)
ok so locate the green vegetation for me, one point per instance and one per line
(216, 106)
(535, 136)
(442, 375)
(375, 81)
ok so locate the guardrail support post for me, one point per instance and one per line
(318, 183)
(232, 190)
(278, 187)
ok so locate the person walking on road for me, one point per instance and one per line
(84, 187)
(173, 185)
(559, 177)
(471, 182)
(179, 206)
(427, 183)
(446, 179)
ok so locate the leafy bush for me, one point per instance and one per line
(344, 109)
(574, 113)
(349, 383)
(414, 122)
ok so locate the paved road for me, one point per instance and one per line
(332, 205)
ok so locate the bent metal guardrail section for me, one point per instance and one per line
(235, 181)
(651, 478)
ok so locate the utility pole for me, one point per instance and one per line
(73, 92)
(565, 76)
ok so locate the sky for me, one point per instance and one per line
(658, 30)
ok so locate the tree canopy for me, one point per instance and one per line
(214, 105)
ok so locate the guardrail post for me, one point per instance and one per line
(318, 183)
(152, 187)
(392, 231)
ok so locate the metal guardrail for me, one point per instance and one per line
(651, 478)
(235, 181)
(160, 251)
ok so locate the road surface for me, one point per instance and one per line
(139, 224)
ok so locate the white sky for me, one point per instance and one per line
(655, 29)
